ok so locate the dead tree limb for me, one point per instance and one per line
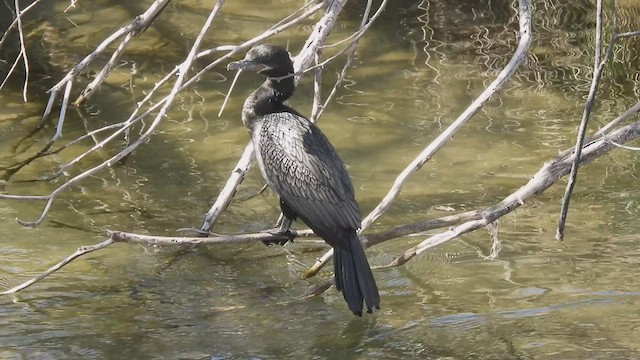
(517, 58)
(542, 180)
(178, 85)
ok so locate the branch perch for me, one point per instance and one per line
(301, 62)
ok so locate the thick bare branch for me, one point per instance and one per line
(541, 181)
(517, 58)
(121, 236)
(152, 240)
(548, 175)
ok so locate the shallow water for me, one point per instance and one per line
(417, 69)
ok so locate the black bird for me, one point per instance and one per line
(304, 170)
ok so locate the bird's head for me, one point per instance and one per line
(266, 59)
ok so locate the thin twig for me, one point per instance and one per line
(351, 53)
(137, 26)
(178, 85)
(23, 50)
(72, 4)
(624, 116)
(15, 21)
(83, 250)
(598, 66)
(353, 38)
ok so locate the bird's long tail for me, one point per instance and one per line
(353, 276)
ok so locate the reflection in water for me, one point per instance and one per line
(416, 71)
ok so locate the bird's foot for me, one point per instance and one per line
(285, 236)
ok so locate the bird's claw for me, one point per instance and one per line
(278, 232)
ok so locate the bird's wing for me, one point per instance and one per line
(303, 168)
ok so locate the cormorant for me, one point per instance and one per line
(304, 170)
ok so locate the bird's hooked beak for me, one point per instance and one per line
(246, 65)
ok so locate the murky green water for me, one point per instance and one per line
(418, 68)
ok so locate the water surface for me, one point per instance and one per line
(417, 69)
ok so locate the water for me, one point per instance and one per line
(417, 69)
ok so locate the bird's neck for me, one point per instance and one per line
(269, 98)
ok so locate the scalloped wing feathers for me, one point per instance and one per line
(290, 150)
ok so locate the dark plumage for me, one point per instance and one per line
(304, 170)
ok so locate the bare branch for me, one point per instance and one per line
(121, 236)
(351, 50)
(598, 66)
(125, 126)
(541, 181)
(518, 56)
(316, 108)
(353, 38)
(624, 116)
(23, 50)
(72, 4)
(15, 21)
(137, 26)
(182, 72)
(549, 174)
